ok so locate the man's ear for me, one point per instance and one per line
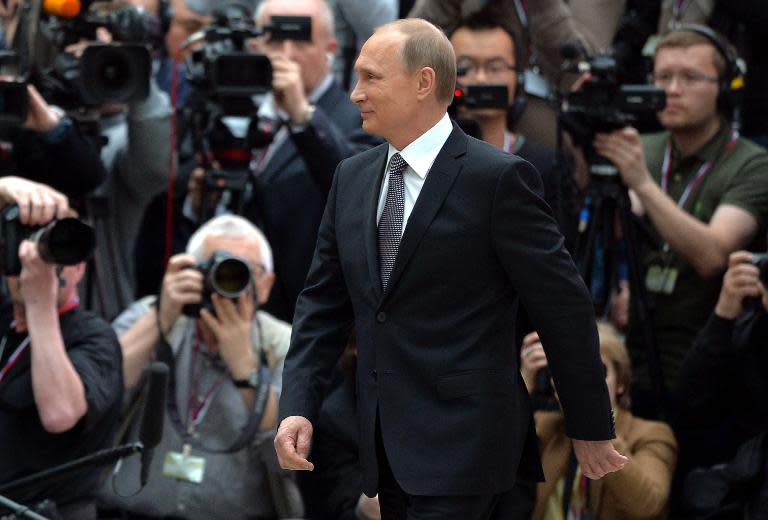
(264, 287)
(427, 82)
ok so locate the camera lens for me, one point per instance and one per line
(230, 277)
(68, 241)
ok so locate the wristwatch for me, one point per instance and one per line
(252, 381)
(306, 116)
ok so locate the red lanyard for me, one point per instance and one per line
(195, 406)
(74, 302)
(703, 170)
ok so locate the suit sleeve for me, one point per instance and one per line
(321, 324)
(530, 247)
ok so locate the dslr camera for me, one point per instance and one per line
(226, 274)
(67, 241)
(604, 105)
(116, 72)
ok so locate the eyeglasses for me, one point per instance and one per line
(684, 79)
(494, 67)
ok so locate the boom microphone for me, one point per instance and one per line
(151, 431)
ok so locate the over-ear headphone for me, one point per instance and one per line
(517, 107)
(732, 81)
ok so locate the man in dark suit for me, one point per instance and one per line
(428, 257)
(321, 127)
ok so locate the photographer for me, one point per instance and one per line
(700, 188)
(640, 490)
(50, 148)
(320, 127)
(60, 368)
(724, 377)
(226, 377)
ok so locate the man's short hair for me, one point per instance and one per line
(485, 21)
(683, 38)
(612, 347)
(326, 14)
(427, 46)
(230, 226)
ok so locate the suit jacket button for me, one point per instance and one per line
(381, 317)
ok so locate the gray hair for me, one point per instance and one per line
(326, 14)
(230, 226)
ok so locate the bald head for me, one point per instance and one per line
(425, 45)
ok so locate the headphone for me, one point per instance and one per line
(731, 84)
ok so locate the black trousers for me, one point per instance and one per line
(396, 504)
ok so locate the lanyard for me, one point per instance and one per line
(700, 174)
(678, 8)
(522, 13)
(74, 302)
(195, 406)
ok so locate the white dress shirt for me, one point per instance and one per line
(419, 155)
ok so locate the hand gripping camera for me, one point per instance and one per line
(227, 275)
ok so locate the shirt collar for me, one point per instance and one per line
(422, 152)
(710, 150)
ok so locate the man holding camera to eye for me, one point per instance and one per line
(723, 381)
(320, 127)
(700, 188)
(226, 368)
(60, 368)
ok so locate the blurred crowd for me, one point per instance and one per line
(164, 167)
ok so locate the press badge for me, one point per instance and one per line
(184, 466)
(661, 279)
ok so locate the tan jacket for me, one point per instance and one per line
(640, 490)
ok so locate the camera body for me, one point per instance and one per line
(116, 72)
(481, 96)
(226, 274)
(67, 241)
(223, 69)
(604, 105)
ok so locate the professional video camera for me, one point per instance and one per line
(476, 97)
(114, 72)
(67, 241)
(604, 105)
(228, 275)
(227, 79)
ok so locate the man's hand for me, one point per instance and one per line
(40, 116)
(233, 327)
(532, 359)
(180, 287)
(288, 87)
(292, 442)
(741, 280)
(38, 282)
(598, 458)
(38, 203)
(624, 149)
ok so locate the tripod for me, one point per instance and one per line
(607, 210)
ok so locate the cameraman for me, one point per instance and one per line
(50, 148)
(321, 127)
(227, 370)
(724, 377)
(702, 191)
(60, 368)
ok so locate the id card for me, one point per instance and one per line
(184, 466)
(661, 279)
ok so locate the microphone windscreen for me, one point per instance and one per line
(63, 8)
(151, 431)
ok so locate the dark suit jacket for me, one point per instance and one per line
(436, 361)
(289, 196)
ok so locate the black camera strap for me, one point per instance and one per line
(165, 354)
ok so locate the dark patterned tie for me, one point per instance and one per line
(391, 223)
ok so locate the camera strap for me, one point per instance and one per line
(700, 174)
(522, 13)
(14, 357)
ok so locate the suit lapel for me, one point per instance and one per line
(436, 187)
(376, 174)
(284, 154)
